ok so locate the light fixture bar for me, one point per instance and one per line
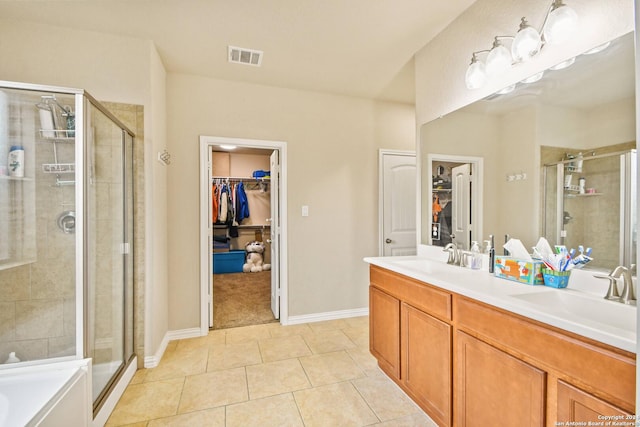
(559, 24)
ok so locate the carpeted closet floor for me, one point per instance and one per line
(241, 299)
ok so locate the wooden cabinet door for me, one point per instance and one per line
(577, 405)
(426, 362)
(494, 388)
(384, 330)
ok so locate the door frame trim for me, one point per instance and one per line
(381, 153)
(205, 252)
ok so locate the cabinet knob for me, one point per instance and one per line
(388, 241)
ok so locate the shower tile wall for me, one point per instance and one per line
(37, 300)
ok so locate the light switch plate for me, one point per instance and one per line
(305, 210)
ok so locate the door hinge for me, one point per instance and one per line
(124, 248)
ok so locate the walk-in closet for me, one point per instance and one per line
(240, 207)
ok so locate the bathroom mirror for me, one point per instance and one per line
(587, 107)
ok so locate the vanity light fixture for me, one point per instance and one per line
(227, 147)
(499, 58)
(559, 24)
(476, 75)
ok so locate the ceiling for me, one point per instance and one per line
(360, 48)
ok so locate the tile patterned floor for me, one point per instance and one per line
(316, 374)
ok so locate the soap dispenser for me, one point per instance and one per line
(476, 257)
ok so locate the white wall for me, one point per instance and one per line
(332, 166)
(114, 69)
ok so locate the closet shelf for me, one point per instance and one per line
(238, 178)
(243, 227)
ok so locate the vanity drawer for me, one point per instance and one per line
(414, 292)
(594, 365)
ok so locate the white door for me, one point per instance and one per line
(461, 209)
(210, 234)
(398, 197)
(275, 234)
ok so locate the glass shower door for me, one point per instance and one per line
(108, 225)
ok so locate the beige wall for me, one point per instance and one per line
(332, 144)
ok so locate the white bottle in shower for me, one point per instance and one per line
(16, 161)
(12, 358)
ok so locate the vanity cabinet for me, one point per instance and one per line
(384, 331)
(426, 361)
(494, 388)
(411, 337)
(467, 363)
(577, 405)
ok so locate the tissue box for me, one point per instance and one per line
(527, 272)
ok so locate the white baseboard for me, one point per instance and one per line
(329, 315)
(184, 333)
(153, 361)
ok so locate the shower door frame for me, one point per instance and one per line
(127, 248)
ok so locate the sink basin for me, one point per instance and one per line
(421, 265)
(584, 308)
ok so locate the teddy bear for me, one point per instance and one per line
(254, 259)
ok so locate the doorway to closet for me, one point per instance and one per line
(243, 194)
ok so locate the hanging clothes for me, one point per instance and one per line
(241, 203)
(224, 204)
(215, 202)
(436, 208)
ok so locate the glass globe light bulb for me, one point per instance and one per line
(561, 24)
(499, 60)
(526, 43)
(476, 75)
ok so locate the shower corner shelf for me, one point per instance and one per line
(572, 195)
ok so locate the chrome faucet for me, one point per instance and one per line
(628, 296)
(454, 253)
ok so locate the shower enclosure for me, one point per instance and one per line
(590, 200)
(66, 229)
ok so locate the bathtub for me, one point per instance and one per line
(54, 394)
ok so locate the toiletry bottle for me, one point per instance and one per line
(12, 358)
(476, 257)
(16, 161)
(581, 184)
(579, 163)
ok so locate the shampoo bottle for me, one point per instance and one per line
(16, 161)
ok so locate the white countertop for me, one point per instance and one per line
(483, 286)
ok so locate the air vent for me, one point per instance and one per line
(240, 55)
